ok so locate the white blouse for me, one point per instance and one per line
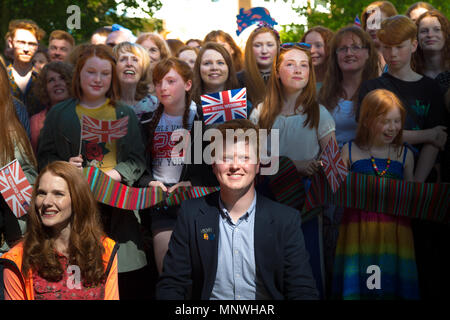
(296, 141)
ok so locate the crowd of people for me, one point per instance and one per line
(381, 90)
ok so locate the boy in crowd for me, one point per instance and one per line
(23, 37)
(60, 44)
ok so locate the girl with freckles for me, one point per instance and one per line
(167, 170)
(372, 238)
(305, 127)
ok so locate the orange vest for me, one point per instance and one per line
(15, 255)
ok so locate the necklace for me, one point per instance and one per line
(374, 165)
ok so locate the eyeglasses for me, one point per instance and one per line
(22, 44)
(302, 45)
(353, 49)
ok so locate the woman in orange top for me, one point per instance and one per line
(64, 254)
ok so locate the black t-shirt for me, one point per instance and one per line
(422, 99)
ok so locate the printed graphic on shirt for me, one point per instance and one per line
(94, 153)
(164, 142)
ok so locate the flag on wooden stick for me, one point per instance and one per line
(333, 165)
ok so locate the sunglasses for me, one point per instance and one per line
(302, 45)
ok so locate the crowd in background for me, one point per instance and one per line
(381, 90)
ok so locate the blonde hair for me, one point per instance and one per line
(163, 47)
(144, 64)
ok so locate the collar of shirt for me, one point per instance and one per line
(226, 215)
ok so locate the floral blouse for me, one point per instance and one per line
(67, 288)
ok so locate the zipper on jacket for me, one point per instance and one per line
(14, 266)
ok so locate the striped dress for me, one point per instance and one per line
(368, 239)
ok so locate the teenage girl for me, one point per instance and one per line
(304, 127)
(371, 238)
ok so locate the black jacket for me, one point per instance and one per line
(282, 262)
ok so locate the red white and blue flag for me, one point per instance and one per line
(333, 165)
(357, 21)
(15, 188)
(222, 106)
(97, 131)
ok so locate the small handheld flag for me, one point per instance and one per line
(222, 106)
(333, 165)
(98, 131)
(357, 21)
(15, 188)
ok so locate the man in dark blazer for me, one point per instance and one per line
(235, 243)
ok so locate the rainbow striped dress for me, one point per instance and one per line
(368, 239)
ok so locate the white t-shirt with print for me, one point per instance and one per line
(166, 165)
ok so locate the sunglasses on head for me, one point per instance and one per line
(302, 45)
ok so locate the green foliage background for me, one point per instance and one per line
(52, 14)
(342, 13)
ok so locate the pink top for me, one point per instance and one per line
(67, 288)
(36, 124)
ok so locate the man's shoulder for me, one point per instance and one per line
(193, 206)
(280, 210)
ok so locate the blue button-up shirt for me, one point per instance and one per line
(236, 270)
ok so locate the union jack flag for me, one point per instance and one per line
(333, 165)
(98, 131)
(222, 106)
(15, 188)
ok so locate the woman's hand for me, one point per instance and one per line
(155, 184)
(308, 167)
(77, 161)
(179, 184)
(114, 174)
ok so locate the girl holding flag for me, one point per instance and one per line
(213, 72)
(96, 90)
(14, 144)
(368, 239)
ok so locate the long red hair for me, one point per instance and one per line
(254, 82)
(274, 99)
(85, 243)
(12, 132)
